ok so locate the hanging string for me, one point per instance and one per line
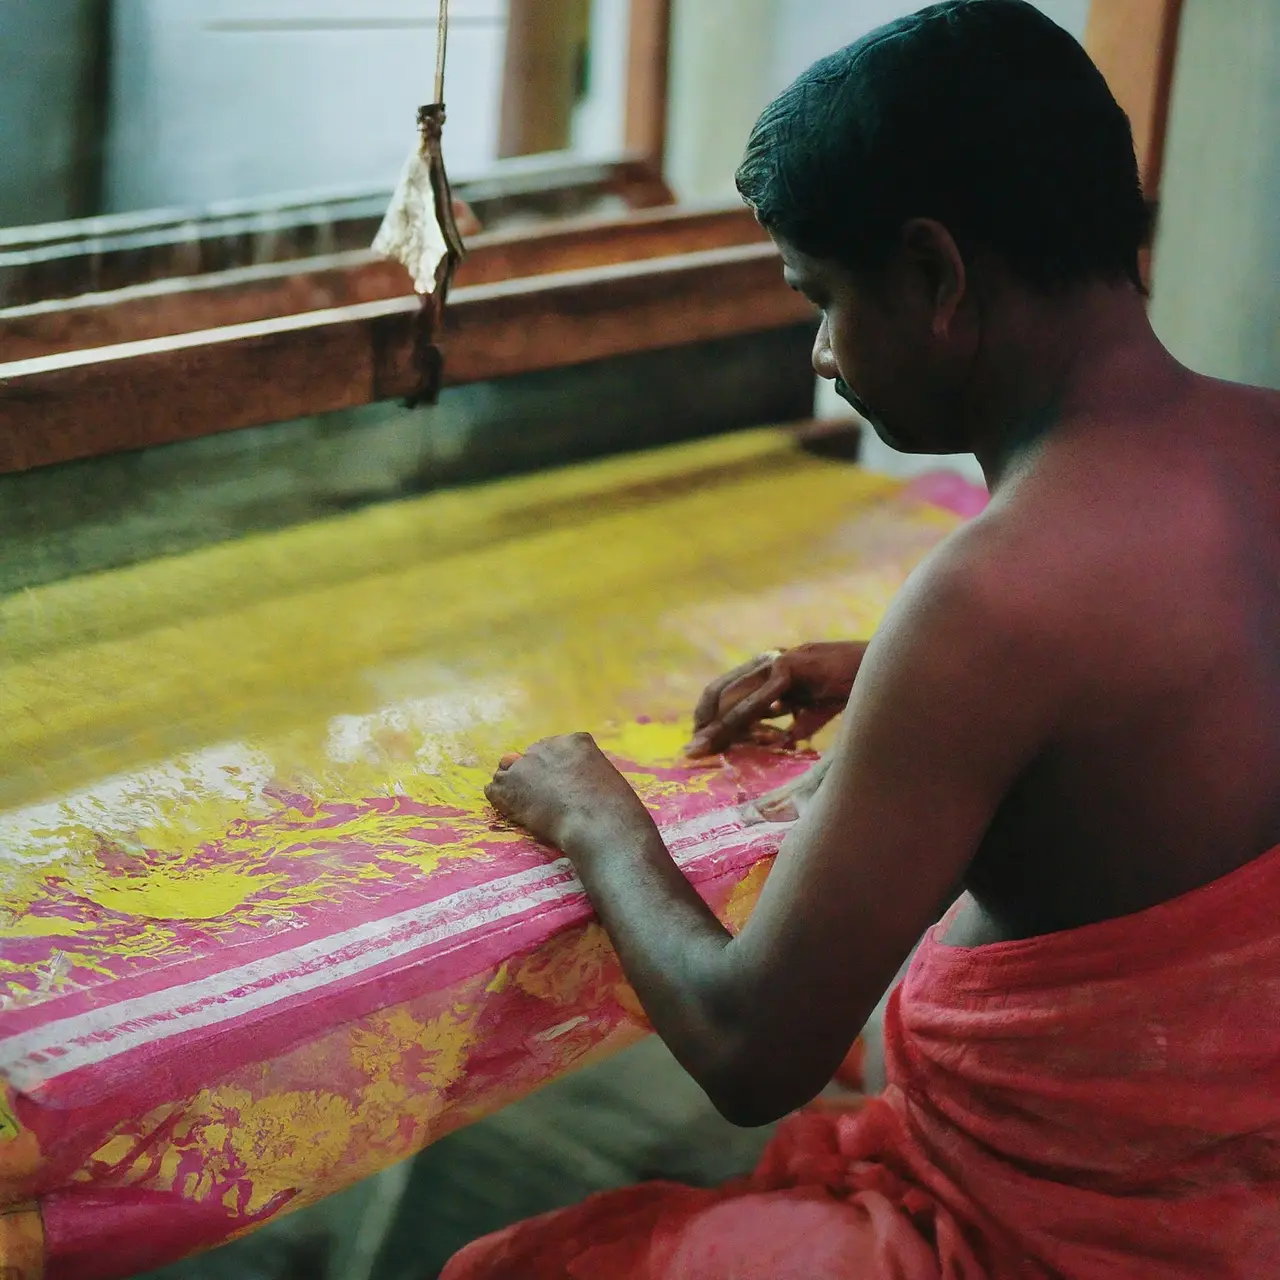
(442, 41)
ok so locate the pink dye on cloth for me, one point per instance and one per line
(178, 1098)
(950, 492)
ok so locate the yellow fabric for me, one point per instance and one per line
(21, 1244)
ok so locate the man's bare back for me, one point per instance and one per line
(1150, 546)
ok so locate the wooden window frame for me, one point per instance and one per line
(1135, 44)
(162, 359)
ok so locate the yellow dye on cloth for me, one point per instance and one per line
(29, 926)
(228, 740)
(235, 642)
(655, 743)
(20, 1156)
(201, 739)
(745, 895)
(8, 1123)
(294, 1139)
(567, 966)
(257, 1147)
(246, 1145)
(185, 895)
(21, 1244)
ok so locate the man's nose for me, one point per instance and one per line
(824, 360)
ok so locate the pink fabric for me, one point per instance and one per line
(1098, 1103)
(102, 1234)
(180, 1095)
(951, 492)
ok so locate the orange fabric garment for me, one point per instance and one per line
(1099, 1103)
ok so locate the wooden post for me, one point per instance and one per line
(1135, 43)
(546, 42)
(648, 59)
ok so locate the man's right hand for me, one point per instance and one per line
(810, 683)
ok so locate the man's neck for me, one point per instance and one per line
(1046, 360)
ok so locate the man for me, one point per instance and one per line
(1072, 709)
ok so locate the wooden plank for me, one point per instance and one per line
(525, 176)
(1135, 44)
(66, 260)
(261, 293)
(87, 403)
(210, 301)
(507, 329)
(648, 62)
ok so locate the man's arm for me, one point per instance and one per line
(955, 699)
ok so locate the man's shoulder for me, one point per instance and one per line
(981, 601)
(967, 663)
(1021, 588)
(1002, 570)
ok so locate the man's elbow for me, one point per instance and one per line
(749, 1110)
(749, 1066)
(750, 1097)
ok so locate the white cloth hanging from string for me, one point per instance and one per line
(419, 230)
(411, 233)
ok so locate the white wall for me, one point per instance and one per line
(1216, 296)
(224, 99)
(806, 30)
(218, 100)
(599, 123)
(721, 75)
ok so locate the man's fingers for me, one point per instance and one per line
(756, 706)
(767, 735)
(783, 809)
(738, 721)
(808, 720)
(714, 695)
(705, 711)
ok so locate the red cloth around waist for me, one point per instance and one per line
(1090, 1105)
(1106, 1099)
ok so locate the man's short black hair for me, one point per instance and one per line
(983, 114)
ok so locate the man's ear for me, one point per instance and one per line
(932, 251)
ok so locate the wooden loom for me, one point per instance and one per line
(288, 685)
(152, 362)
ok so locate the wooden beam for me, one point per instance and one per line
(87, 403)
(648, 62)
(523, 326)
(278, 289)
(527, 177)
(66, 260)
(1135, 44)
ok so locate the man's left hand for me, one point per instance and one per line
(564, 789)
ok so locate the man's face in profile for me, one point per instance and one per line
(879, 351)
